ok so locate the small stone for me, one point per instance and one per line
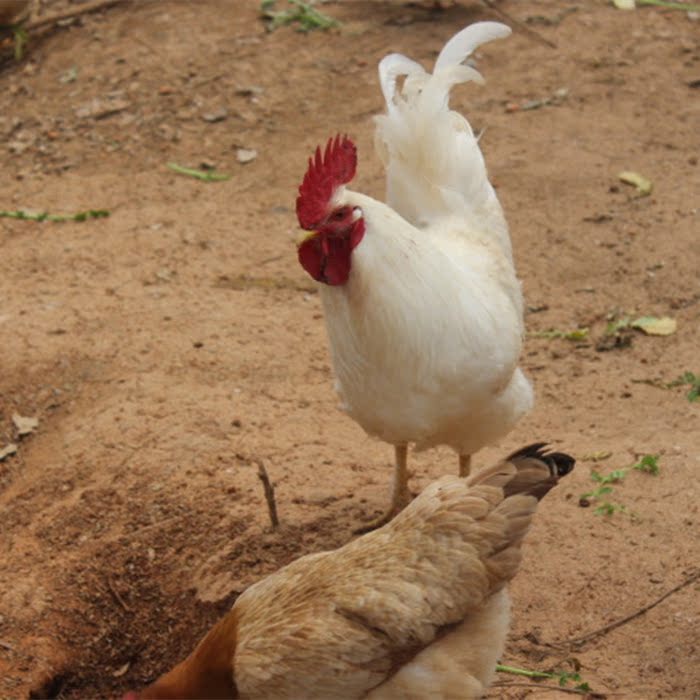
(100, 109)
(249, 91)
(246, 155)
(218, 115)
(7, 451)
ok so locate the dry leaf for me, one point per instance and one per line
(643, 185)
(24, 424)
(655, 326)
(596, 456)
(7, 451)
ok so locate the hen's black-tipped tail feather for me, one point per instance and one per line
(559, 463)
(529, 478)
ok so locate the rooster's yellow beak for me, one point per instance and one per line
(304, 236)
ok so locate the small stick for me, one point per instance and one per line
(160, 523)
(269, 493)
(68, 14)
(116, 595)
(530, 32)
(578, 641)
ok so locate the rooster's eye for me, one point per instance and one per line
(338, 215)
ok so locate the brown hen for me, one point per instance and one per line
(415, 610)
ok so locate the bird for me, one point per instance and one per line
(417, 609)
(422, 305)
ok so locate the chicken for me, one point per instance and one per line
(415, 610)
(423, 309)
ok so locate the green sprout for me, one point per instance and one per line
(648, 464)
(603, 489)
(20, 40)
(304, 13)
(690, 379)
(563, 678)
(607, 508)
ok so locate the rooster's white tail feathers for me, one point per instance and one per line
(433, 162)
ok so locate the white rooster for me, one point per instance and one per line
(422, 304)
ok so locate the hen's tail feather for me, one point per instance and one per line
(532, 471)
(538, 470)
(525, 477)
(559, 463)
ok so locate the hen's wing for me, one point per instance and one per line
(338, 624)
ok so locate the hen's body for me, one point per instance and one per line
(416, 609)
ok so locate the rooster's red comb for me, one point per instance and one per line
(326, 172)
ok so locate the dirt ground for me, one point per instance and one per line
(166, 347)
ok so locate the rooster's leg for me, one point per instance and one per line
(465, 465)
(400, 495)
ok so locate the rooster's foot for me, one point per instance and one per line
(378, 522)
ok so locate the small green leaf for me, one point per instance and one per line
(691, 379)
(575, 334)
(684, 7)
(24, 215)
(648, 464)
(614, 476)
(204, 175)
(616, 326)
(608, 508)
(302, 12)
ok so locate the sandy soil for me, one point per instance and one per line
(166, 347)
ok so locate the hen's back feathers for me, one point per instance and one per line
(501, 501)
(433, 162)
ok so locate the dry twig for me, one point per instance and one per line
(69, 14)
(542, 686)
(530, 32)
(269, 493)
(117, 597)
(580, 641)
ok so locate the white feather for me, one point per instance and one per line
(391, 67)
(433, 161)
(461, 45)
